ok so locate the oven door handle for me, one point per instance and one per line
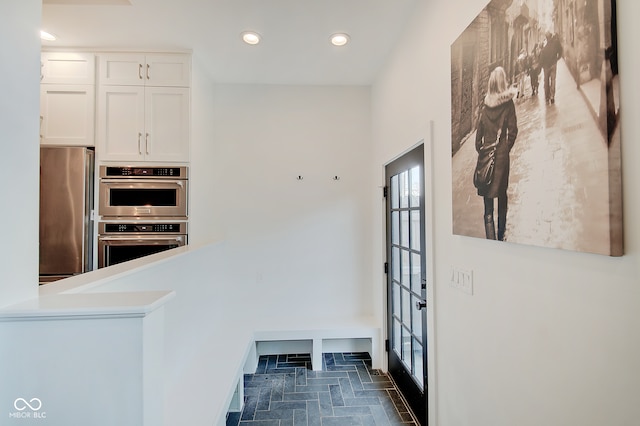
(141, 238)
(126, 181)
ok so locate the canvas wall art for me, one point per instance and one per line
(534, 87)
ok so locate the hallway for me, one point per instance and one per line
(558, 186)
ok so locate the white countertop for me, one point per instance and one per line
(84, 305)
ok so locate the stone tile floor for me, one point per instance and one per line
(285, 391)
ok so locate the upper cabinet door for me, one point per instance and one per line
(121, 132)
(132, 69)
(168, 70)
(122, 69)
(167, 124)
(67, 114)
(67, 68)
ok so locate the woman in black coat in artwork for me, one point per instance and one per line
(497, 121)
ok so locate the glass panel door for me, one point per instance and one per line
(406, 282)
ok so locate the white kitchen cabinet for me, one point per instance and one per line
(67, 68)
(136, 69)
(137, 123)
(67, 114)
(67, 98)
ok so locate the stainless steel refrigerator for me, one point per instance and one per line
(66, 203)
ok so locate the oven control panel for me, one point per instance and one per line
(142, 228)
(143, 172)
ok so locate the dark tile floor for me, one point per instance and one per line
(285, 391)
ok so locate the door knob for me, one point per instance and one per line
(421, 304)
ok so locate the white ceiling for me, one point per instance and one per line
(295, 48)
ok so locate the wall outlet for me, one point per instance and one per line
(462, 279)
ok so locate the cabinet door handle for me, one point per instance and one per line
(139, 141)
(146, 142)
(148, 68)
(140, 71)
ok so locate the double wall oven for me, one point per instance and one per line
(143, 211)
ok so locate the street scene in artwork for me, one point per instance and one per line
(552, 69)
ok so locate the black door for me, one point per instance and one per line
(406, 279)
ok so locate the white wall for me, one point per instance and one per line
(549, 337)
(307, 240)
(19, 112)
(204, 210)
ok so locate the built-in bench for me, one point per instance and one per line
(320, 335)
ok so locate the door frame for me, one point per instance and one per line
(429, 206)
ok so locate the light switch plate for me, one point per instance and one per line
(462, 279)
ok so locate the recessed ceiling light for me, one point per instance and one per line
(47, 36)
(339, 39)
(251, 37)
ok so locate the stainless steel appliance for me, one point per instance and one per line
(140, 192)
(66, 202)
(120, 241)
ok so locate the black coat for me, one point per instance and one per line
(497, 108)
(550, 53)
